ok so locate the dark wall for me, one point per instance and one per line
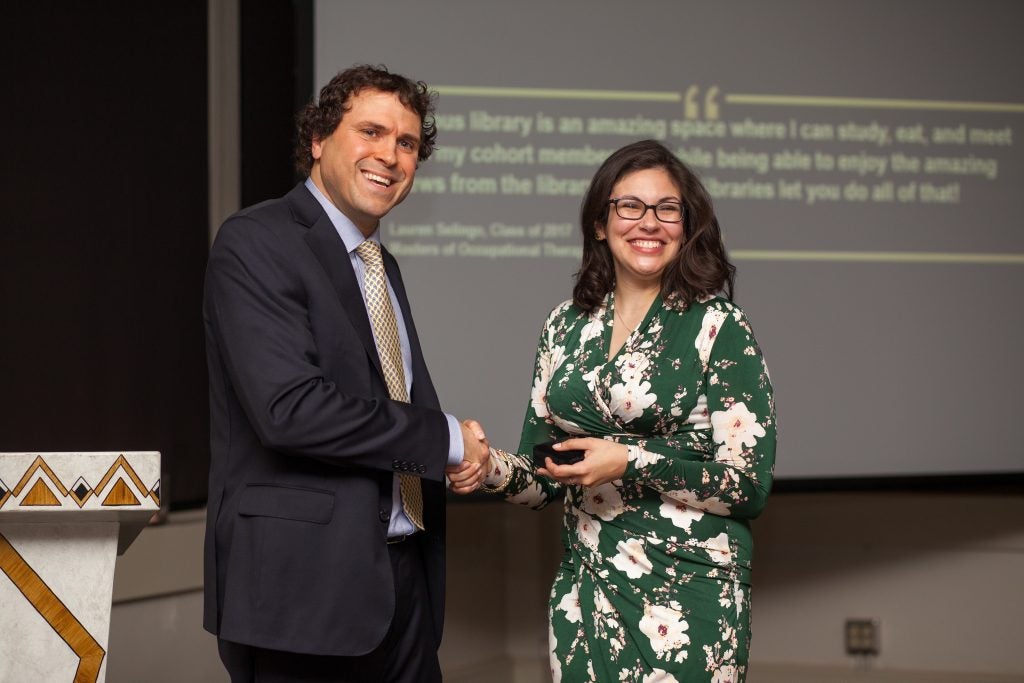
(104, 238)
(276, 81)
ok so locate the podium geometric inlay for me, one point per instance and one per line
(58, 549)
(40, 487)
(49, 606)
(81, 491)
(120, 494)
(39, 495)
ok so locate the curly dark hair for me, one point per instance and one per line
(702, 267)
(318, 120)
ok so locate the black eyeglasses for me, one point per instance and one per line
(631, 209)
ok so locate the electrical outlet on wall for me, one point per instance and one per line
(861, 637)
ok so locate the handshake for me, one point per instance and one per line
(468, 476)
(574, 461)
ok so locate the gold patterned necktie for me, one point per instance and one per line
(385, 332)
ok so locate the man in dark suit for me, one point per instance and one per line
(325, 523)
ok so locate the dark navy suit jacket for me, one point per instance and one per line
(305, 441)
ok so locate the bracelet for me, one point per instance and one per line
(502, 456)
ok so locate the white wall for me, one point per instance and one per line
(943, 574)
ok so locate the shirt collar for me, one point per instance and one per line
(347, 230)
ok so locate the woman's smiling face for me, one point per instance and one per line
(643, 247)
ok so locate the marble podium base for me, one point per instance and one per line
(64, 517)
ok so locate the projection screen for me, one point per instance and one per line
(865, 160)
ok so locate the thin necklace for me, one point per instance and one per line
(619, 316)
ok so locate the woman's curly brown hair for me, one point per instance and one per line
(702, 267)
(319, 119)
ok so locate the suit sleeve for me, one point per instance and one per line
(259, 294)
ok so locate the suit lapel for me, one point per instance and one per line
(422, 388)
(326, 245)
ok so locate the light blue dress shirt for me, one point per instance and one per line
(352, 237)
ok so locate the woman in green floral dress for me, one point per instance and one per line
(659, 379)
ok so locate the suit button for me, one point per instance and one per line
(385, 515)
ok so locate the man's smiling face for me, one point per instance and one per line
(367, 165)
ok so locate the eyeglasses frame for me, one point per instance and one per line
(647, 207)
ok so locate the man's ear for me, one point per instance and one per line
(316, 148)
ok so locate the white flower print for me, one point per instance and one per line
(549, 361)
(641, 456)
(689, 498)
(539, 394)
(565, 425)
(601, 602)
(602, 501)
(606, 619)
(497, 471)
(718, 549)
(570, 604)
(733, 429)
(681, 514)
(531, 495)
(632, 559)
(665, 627)
(699, 415)
(555, 662)
(629, 401)
(659, 676)
(588, 530)
(725, 674)
(709, 327)
(592, 330)
(632, 367)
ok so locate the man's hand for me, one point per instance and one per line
(468, 476)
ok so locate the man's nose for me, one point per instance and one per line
(387, 152)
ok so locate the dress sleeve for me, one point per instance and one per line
(726, 467)
(512, 474)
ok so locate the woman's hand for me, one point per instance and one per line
(603, 461)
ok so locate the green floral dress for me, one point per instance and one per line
(654, 584)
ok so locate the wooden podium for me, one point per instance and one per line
(64, 517)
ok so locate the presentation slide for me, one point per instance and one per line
(867, 168)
